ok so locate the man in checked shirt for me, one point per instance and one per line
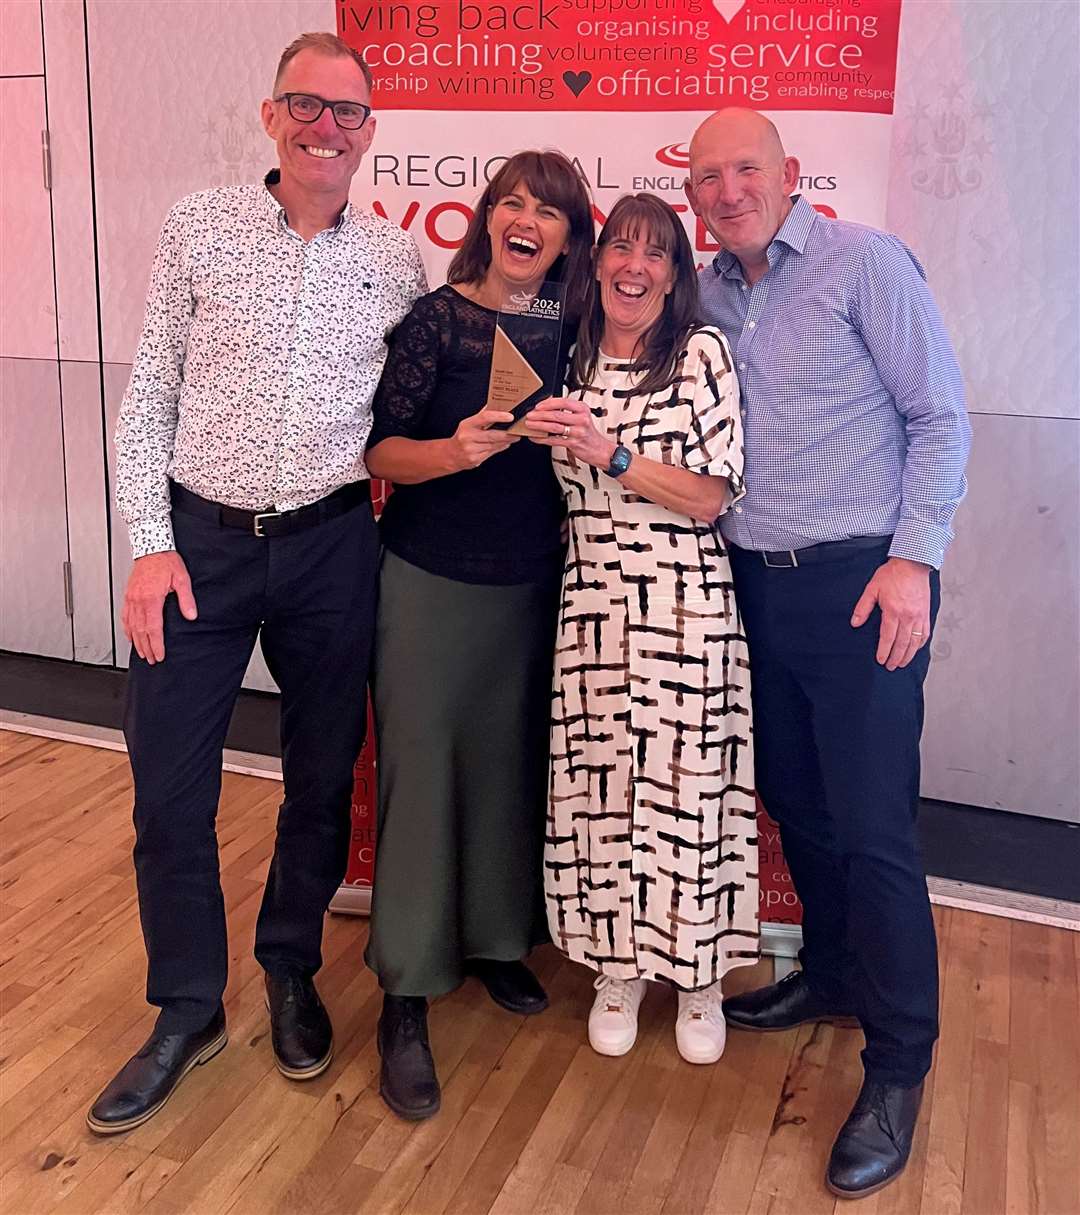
(240, 474)
(856, 439)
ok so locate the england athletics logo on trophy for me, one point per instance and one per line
(526, 362)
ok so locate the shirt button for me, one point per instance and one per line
(751, 325)
(738, 510)
(742, 286)
(742, 366)
(742, 410)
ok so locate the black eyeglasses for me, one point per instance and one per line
(306, 107)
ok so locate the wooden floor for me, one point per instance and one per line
(533, 1121)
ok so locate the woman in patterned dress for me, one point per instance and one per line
(651, 854)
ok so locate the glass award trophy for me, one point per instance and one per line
(526, 363)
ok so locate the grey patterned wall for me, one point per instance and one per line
(983, 186)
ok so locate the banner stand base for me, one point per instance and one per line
(782, 943)
(781, 940)
(351, 900)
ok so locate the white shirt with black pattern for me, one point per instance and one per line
(259, 357)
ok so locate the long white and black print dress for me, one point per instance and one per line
(651, 860)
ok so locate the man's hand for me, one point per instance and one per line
(901, 588)
(153, 578)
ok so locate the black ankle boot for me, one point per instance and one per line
(407, 1082)
(512, 985)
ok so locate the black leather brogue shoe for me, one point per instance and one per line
(512, 985)
(148, 1079)
(783, 1005)
(875, 1142)
(300, 1029)
(407, 1082)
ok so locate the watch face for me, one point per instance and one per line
(620, 461)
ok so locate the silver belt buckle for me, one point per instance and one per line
(257, 521)
(793, 564)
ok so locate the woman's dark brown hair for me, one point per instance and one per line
(551, 178)
(634, 216)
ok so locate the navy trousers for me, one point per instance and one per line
(836, 740)
(311, 597)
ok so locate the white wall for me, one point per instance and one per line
(175, 88)
(983, 185)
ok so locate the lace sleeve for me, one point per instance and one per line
(409, 376)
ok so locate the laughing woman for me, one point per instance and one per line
(465, 631)
(651, 862)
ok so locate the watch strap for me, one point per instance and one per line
(620, 461)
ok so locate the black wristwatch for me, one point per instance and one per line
(620, 461)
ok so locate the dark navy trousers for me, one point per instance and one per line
(836, 740)
(311, 598)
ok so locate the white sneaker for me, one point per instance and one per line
(700, 1031)
(613, 1020)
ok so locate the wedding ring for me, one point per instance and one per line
(566, 432)
(914, 634)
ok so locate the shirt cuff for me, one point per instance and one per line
(153, 534)
(925, 542)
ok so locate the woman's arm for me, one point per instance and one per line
(709, 478)
(698, 495)
(408, 385)
(410, 461)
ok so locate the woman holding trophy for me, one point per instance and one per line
(465, 630)
(651, 858)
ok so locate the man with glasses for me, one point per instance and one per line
(240, 474)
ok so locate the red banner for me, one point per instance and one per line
(361, 871)
(777, 901)
(619, 55)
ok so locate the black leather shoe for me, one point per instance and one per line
(147, 1080)
(874, 1144)
(512, 985)
(407, 1082)
(782, 1005)
(300, 1029)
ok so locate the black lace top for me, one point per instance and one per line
(497, 523)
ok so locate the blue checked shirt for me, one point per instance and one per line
(852, 402)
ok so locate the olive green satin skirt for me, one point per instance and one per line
(462, 695)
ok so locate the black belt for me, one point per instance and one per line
(270, 523)
(829, 550)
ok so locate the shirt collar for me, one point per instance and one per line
(793, 232)
(276, 211)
